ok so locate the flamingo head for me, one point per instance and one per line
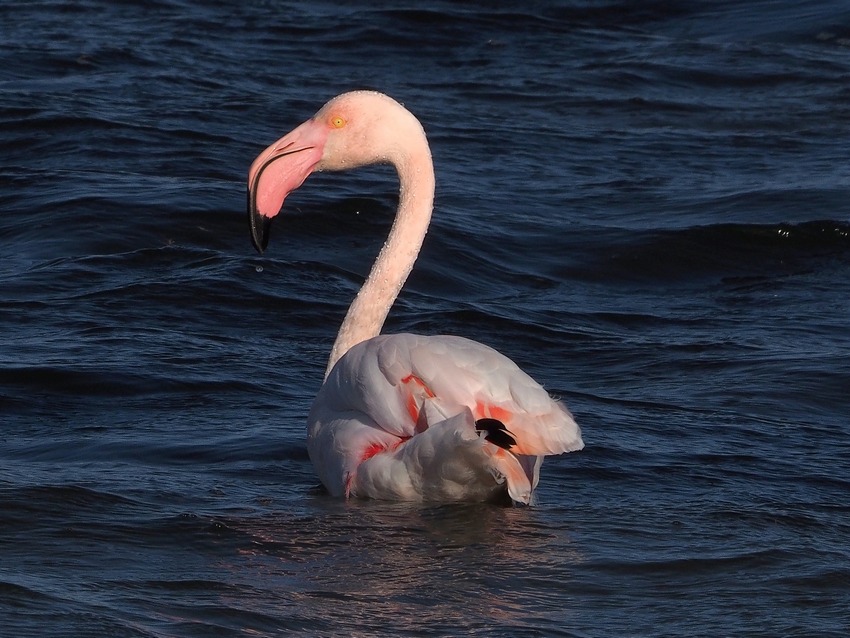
(353, 129)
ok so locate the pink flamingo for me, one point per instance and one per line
(406, 417)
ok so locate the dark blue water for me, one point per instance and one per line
(646, 205)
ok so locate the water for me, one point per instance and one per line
(646, 206)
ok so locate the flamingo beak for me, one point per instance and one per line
(278, 171)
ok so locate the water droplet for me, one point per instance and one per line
(259, 269)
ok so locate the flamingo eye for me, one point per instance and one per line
(337, 121)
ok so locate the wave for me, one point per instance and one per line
(728, 252)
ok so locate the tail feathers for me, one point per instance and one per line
(553, 432)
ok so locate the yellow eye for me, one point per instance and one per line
(337, 121)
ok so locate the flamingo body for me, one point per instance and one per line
(406, 417)
(396, 419)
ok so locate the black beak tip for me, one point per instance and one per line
(260, 225)
(260, 232)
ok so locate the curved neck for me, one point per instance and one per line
(370, 308)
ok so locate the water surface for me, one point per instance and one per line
(645, 207)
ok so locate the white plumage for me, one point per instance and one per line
(395, 419)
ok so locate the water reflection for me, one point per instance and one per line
(366, 565)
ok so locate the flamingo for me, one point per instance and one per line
(406, 417)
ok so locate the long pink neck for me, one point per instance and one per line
(370, 308)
